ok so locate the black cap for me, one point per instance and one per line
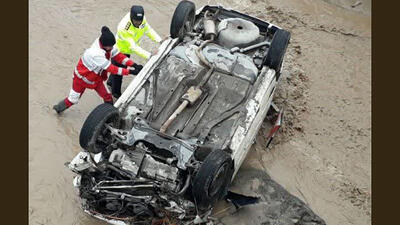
(137, 13)
(107, 37)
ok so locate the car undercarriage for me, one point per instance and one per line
(170, 148)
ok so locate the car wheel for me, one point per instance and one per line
(94, 137)
(277, 50)
(183, 19)
(213, 178)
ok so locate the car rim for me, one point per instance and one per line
(104, 138)
(218, 180)
(187, 26)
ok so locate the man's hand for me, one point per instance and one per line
(133, 72)
(137, 69)
(154, 52)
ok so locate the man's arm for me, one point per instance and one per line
(106, 65)
(124, 35)
(122, 59)
(117, 70)
(152, 34)
(140, 51)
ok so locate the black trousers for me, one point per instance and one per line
(116, 80)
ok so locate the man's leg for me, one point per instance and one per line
(116, 80)
(73, 97)
(116, 86)
(109, 81)
(103, 92)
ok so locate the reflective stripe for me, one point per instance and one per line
(124, 61)
(85, 63)
(114, 52)
(83, 78)
(119, 71)
(106, 65)
(74, 96)
(94, 60)
(128, 40)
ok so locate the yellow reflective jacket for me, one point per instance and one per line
(129, 37)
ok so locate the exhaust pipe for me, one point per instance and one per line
(190, 97)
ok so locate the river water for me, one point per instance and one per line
(59, 32)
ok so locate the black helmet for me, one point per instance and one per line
(137, 13)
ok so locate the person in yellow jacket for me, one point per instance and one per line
(131, 30)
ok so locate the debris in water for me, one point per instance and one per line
(356, 4)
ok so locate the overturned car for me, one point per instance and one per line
(174, 140)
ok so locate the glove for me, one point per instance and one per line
(133, 72)
(137, 67)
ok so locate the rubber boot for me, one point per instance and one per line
(60, 107)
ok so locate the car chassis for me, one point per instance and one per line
(171, 150)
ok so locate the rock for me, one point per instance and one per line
(357, 3)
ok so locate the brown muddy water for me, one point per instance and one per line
(328, 68)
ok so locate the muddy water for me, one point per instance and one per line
(59, 31)
(324, 152)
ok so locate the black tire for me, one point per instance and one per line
(277, 50)
(93, 127)
(213, 178)
(183, 19)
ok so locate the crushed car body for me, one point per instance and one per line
(172, 143)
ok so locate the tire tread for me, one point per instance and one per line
(93, 122)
